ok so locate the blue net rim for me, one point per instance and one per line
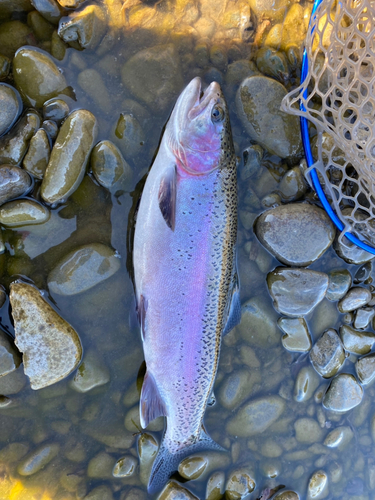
(310, 160)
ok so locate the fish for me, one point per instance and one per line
(186, 282)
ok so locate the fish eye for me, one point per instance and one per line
(217, 114)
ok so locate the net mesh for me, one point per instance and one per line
(338, 95)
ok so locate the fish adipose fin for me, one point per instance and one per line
(167, 196)
(166, 463)
(151, 405)
(233, 310)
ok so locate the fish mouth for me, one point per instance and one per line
(211, 94)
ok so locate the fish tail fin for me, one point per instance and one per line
(166, 463)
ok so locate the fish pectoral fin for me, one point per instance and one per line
(167, 196)
(151, 404)
(233, 309)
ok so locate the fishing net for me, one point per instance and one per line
(338, 97)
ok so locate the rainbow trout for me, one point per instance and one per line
(185, 271)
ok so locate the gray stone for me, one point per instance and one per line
(37, 459)
(237, 387)
(109, 166)
(51, 347)
(293, 186)
(86, 27)
(174, 491)
(56, 110)
(256, 416)
(357, 342)
(287, 495)
(363, 317)
(10, 358)
(240, 484)
(252, 157)
(258, 323)
(49, 9)
(318, 486)
(365, 369)
(91, 373)
(296, 292)
(339, 283)
(24, 212)
(51, 129)
(143, 74)
(125, 466)
(307, 381)
(350, 253)
(297, 337)
(339, 438)
(38, 154)
(128, 135)
(308, 431)
(215, 486)
(363, 273)
(14, 182)
(327, 356)
(101, 466)
(13, 146)
(10, 107)
(83, 269)
(297, 234)
(258, 104)
(343, 394)
(12, 383)
(273, 63)
(355, 298)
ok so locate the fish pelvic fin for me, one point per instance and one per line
(151, 405)
(166, 463)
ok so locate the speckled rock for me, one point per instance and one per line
(343, 394)
(256, 416)
(240, 484)
(297, 337)
(37, 459)
(82, 269)
(10, 358)
(339, 438)
(215, 486)
(355, 341)
(258, 104)
(13, 146)
(38, 154)
(258, 323)
(318, 486)
(174, 491)
(339, 283)
(365, 369)
(91, 373)
(51, 347)
(296, 292)
(355, 298)
(24, 212)
(69, 156)
(14, 182)
(37, 77)
(10, 107)
(87, 27)
(327, 356)
(297, 234)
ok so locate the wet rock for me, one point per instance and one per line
(37, 156)
(365, 369)
(215, 486)
(12, 383)
(71, 4)
(296, 292)
(236, 387)
(363, 273)
(109, 166)
(128, 135)
(69, 156)
(258, 104)
(42, 29)
(125, 466)
(355, 341)
(13, 145)
(308, 431)
(49, 9)
(287, 495)
(252, 157)
(318, 486)
(4, 67)
(23, 212)
(37, 459)
(82, 269)
(350, 253)
(297, 337)
(10, 107)
(256, 416)
(327, 356)
(101, 466)
(273, 63)
(297, 234)
(13, 35)
(10, 358)
(51, 129)
(237, 71)
(293, 185)
(258, 323)
(37, 77)
(193, 467)
(174, 491)
(363, 317)
(86, 27)
(269, 9)
(51, 347)
(339, 438)
(147, 450)
(141, 76)
(56, 110)
(355, 298)
(240, 484)
(343, 394)
(91, 373)
(339, 283)
(14, 182)
(306, 383)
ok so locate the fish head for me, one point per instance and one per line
(199, 133)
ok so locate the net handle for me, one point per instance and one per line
(310, 160)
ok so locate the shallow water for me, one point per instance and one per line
(89, 428)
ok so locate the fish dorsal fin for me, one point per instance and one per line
(151, 404)
(141, 313)
(233, 309)
(167, 196)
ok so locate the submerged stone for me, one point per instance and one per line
(343, 394)
(14, 182)
(327, 356)
(193, 467)
(125, 466)
(355, 341)
(38, 459)
(12, 383)
(365, 369)
(308, 431)
(23, 212)
(236, 387)
(306, 383)
(339, 438)
(128, 135)
(109, 166)
(363, 317)
(82, 269)
(174, 491)
(258, 323)
(87, 27)
(10, 107)
(51, 347)
(91, 373)
(297, 337)
(339, 283)
(296, 292)
(215, 486)
(10, 358)
(355, 298)
(240, 484)
(318, 486)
